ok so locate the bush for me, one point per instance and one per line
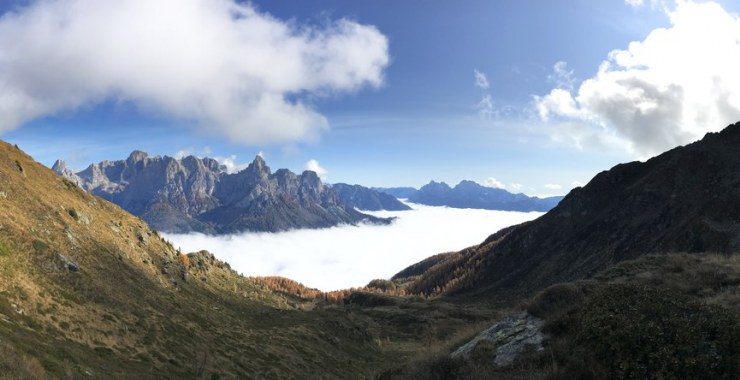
(646, 332)
(73, 213)
(39, 246)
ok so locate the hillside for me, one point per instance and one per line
(89, 291)
(685, 200)
(363, 198)
(194, 194)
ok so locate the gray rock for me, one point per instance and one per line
(510, 337)
(194, 194)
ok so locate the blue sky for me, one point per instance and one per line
(387, 95)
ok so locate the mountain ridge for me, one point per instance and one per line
(469, 194)
(198, 195)
(683, 200)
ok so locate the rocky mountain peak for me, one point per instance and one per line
(59, 166)
(137, 156)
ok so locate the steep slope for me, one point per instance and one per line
(193, 194)
(685, 200)
(364, 198)
(468, 194)
(88, 290)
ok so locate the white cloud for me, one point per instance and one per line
(485, 107)
(493, 182)
(517, 186)
(577, 184)
(481, 81)
(635, 3)
(347, 256)
(553, 186)
(561, 77)
(230, 163)
(314, 166)
(671, 88)
(218, 64)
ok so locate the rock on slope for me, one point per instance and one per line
(193, 194)
(684, 200)
(364, 198)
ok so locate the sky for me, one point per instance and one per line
(343, 257)
(531, 96)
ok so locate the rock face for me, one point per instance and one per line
(510, 337)
(364, 198)
(193, 194)
(684, 200)
(468, 194)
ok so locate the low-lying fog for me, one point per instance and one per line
(350, 256)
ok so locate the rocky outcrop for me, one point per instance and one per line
(508, 338)
(194, 194)
(468, 194)
(364, 198)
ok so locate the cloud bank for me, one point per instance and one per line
(349, 256)
(222, 65)
(669, 89)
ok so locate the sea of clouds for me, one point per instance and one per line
(350, 256)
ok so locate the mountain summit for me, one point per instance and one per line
(194, 194)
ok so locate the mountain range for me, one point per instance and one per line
(635, 275)
(468, 194)
(198, 195)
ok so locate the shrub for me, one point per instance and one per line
(73, 213)
(646, 332)
(39, 246)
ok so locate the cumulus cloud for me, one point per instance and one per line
(553, 186)
(669, 89)
(481, 81)
(314, 166)
(219, 64)
(493, 182)
(517, 186)
(349, 256)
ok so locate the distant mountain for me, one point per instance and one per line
(684, 200)
(468, 194)
(398, 192)
(364, 198)
(194, 194)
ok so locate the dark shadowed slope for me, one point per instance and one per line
(193, 194)
(685, 200)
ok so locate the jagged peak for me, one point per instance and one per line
(137, 156)
(259, 165)
(59, 166)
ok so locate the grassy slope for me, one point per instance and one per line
(138, 309)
